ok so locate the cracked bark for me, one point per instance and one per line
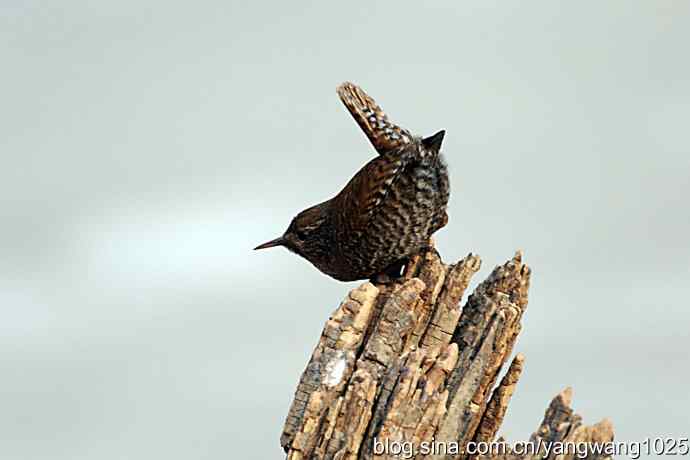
(405, 363)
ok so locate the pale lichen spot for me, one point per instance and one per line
(335, 368)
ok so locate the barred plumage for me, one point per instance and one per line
(386, 213)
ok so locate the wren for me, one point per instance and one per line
(386, 213)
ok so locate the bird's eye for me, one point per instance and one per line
(300, 235)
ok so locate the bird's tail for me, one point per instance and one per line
(384, 135)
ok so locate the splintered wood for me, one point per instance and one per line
(405, 364)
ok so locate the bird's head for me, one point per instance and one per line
(305, 235)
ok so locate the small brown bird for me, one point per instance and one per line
(386, 213)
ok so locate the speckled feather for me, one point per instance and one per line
(387, 212)
(384, 135)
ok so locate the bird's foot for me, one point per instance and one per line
(390, 275)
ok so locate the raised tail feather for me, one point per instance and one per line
(384, 135)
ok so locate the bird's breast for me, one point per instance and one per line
(405, 217)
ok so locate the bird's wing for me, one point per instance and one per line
(367, 189)
(384, 135)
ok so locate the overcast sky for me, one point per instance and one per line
(146, 147)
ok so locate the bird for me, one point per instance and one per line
(388, 210)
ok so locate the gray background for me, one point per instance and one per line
(146, 148)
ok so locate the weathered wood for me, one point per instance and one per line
(403, 363)
(562, 429)
(329, 369)
(498, 404)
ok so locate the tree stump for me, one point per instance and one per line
(403, 365)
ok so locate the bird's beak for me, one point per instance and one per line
(280, 241)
